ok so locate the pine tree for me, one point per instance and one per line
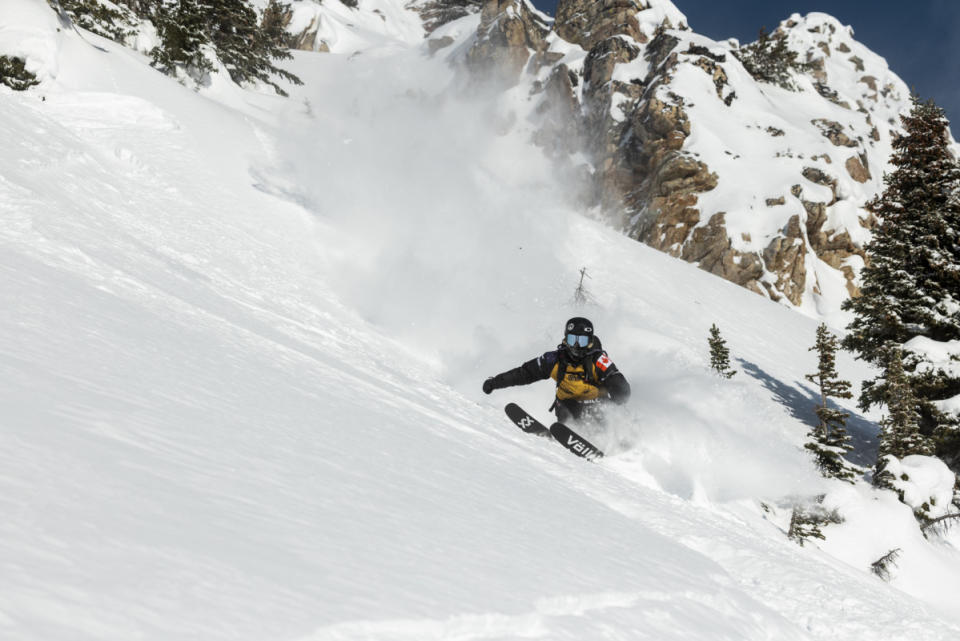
(808, 519)
(182, 27)
(829, 439)
(245, 47)
(900, 430)
(114, 23)
(769, 59)
(719, 354)
(191, 30)
(13, 74)
(911, 285)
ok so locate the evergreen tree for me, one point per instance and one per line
(829, 439)
(182, 27)
(719, 354)
(808, 519)
(114, 23)
(911, 286)
(900, 430)
(195, 33)
(769, 59)
(245, 48)
(13, 73)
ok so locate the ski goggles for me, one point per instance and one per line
(577, 341)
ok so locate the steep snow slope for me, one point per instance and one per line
(241, 352)
(338, 27)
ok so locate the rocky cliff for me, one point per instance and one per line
(700, 155)
(754, 164)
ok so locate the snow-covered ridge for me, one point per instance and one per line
(762, 185)
(349, 27)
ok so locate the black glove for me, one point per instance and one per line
(489, 385)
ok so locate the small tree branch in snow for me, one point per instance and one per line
(806, 521)
(940, 524)
(581, 296)
(881, 567)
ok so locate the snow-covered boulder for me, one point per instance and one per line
(29, 32)
(924, 483)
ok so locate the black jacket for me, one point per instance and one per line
(594, 369)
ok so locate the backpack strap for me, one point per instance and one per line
(561, 373)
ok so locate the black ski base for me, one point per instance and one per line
(524, 421)
(563, 434)
(574, 442)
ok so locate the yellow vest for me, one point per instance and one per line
(576, 385)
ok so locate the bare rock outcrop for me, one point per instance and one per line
(627, 104)
(509, 32)
(590, 22)
(436, 13)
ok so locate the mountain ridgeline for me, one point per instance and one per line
(754, 162)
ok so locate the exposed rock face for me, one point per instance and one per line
(785, 258)
(675, 141)
(692, 156)
(509, 32)
(857, 169)
(308, 39)
(589, 22)
(436, 13)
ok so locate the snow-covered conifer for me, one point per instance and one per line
(192, 32)
(900, 430)
(246, 47)
(719, 353)
(807, 521)
(14, 74)
(829, 440)
(114, 22)
(769, 59)
(182, 28)
(911, 286)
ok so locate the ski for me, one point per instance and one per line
(574, 442)
(524, 421)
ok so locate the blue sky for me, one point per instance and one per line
(919, 39)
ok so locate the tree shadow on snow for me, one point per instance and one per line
(802, 400)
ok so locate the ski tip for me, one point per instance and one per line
(574, 442)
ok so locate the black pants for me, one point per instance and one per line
(579, 411)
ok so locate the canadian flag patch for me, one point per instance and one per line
(604, 362)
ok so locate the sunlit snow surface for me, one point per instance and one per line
(241, 349)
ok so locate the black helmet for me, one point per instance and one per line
(578, 336)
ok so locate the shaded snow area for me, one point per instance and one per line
(241, 349)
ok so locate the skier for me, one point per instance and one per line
(585, 375)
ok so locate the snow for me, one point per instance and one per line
(925, 481)
(241, 350)
(659, 12)
(30, 31)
